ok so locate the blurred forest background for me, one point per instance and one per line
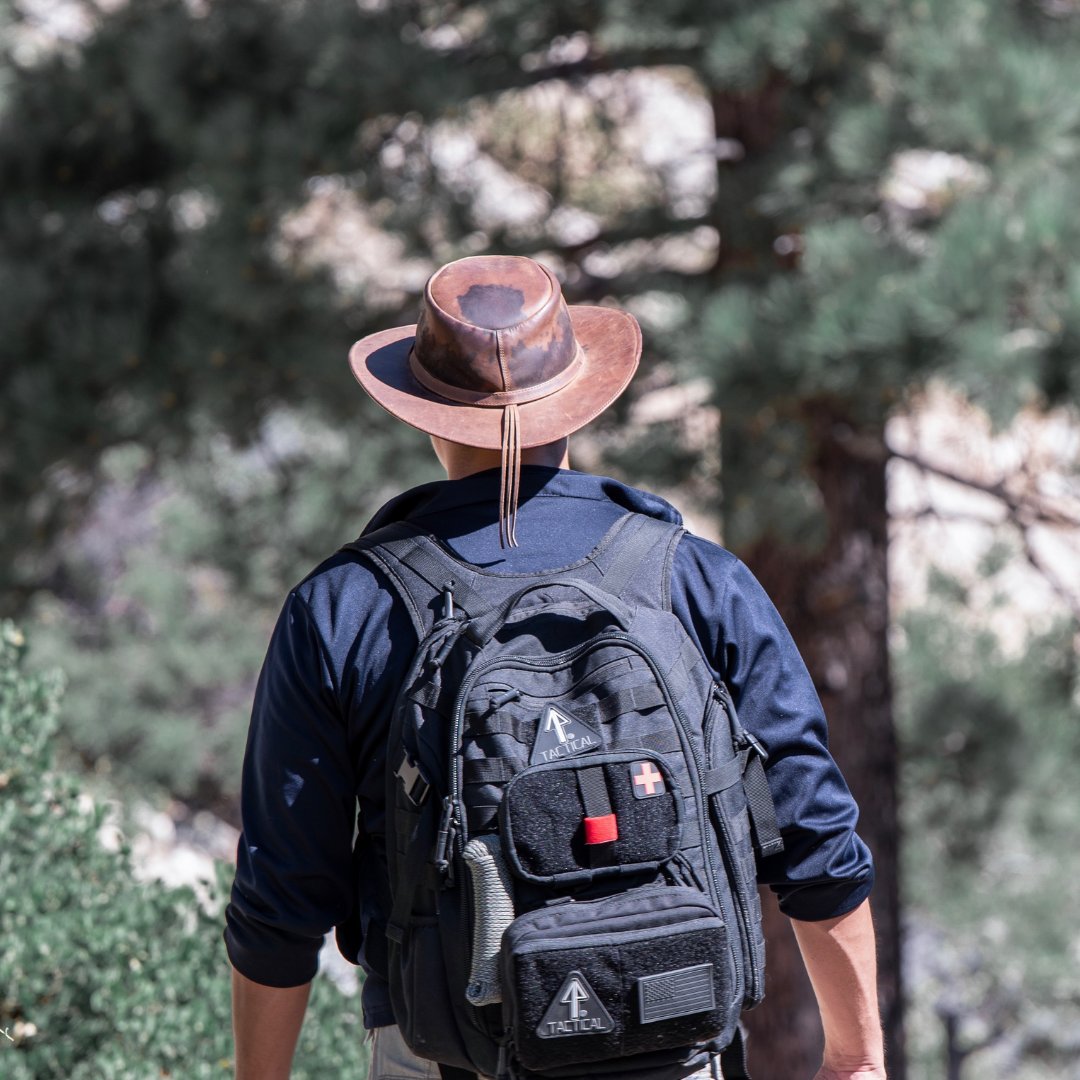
(849, 232)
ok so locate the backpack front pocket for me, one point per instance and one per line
(628, 974)
(591, 817)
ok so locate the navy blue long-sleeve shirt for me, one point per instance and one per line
(343, 642)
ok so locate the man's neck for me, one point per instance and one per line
(461, 461)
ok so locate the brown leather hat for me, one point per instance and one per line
(499, 361)
(495, 335)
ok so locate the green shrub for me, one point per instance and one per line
(103, 977)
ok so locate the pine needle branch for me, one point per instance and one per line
(1025, 509)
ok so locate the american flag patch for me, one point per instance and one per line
(676, 993)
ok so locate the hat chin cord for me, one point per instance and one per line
(510, 480)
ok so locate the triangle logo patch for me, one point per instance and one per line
(575, 1010)
(560, 735)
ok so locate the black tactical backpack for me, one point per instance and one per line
(572, 815)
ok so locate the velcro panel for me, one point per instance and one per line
(543, 819)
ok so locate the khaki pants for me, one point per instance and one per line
(391, 1059)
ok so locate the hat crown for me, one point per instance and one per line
(493, 329)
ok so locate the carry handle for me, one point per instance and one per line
(483, 629)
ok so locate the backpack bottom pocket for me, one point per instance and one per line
(631, 974)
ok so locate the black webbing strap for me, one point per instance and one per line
(427, 694)
(492, 770)
(631, 699)
(723, 777)
(521, 728)
(481, 818)
(597, 802)
(594, 792)
(764, 829)
(759, 802)
(733, 1057)
(663, 741)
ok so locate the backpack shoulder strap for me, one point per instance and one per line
(632, 562)
(421, 572)
(635, 560)
(368, 547)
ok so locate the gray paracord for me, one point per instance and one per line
(493, 912)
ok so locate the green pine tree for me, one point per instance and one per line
(889, 202)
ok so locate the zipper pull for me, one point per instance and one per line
(752, 743)
(452, 634)
(444, 842)
(742, 738)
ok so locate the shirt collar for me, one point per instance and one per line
(443, 496)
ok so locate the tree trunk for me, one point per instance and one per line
(835, 602)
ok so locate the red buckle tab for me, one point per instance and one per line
(601, 830)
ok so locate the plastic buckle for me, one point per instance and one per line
(416, 787)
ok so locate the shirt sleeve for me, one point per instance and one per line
(825, 869)
(292, 881)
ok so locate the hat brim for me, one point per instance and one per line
(610, 342)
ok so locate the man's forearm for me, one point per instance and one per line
(841, 961)
(266, 1025)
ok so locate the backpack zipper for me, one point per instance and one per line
(699, 764)
(742, 740)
